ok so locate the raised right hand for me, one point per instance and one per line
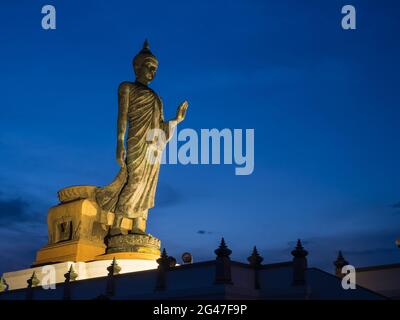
(181, 112)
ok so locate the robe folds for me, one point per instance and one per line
(132, 192)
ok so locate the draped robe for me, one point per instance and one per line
(132, 192)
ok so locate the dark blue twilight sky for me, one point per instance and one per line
(324, 104)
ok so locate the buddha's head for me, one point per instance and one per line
(145, 65)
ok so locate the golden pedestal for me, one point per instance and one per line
(79, 250)
(76, 232)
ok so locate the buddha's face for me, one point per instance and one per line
(146, 71)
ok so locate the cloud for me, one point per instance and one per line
(396, 205)
(23, 230)
(15, 211)
(167, 196)
(204, 232)
(19, 248)
(379, 250)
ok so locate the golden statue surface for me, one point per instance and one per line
(140, 111)
(93, 221)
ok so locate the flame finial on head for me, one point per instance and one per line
(146, 45)
(144, 54)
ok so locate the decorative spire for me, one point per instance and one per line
(71, 275)
(223, 250)
(164, 261)
(340, 260)
(299, 264)
(255, 259)
(33, 281)
(223, 264)
(299, 251)
(114, 268)
(339, 263)
(3, 284)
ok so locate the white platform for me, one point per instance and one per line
(85, 270)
